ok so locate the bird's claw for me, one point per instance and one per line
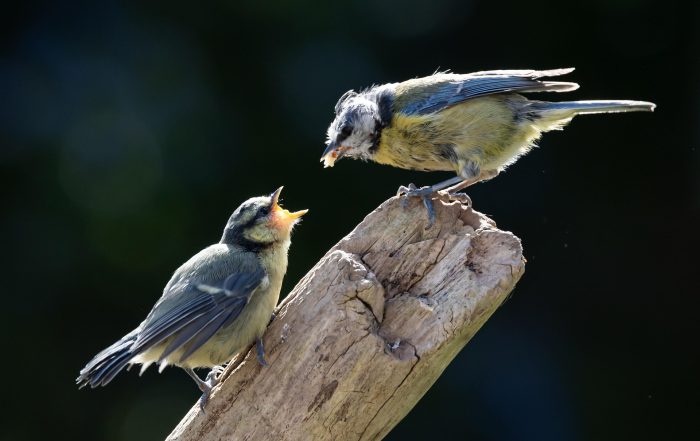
(210, 382)
(431, 211)
(425, 194)
(460, 197)
(260, 352)
(213, 378)
(215, 374)
(412, 191)
(406, 189)
(203, 400)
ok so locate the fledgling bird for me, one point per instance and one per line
(475, 124)
(216, 304)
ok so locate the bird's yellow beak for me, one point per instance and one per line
(332, 153)
(282, 214)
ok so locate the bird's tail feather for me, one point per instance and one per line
(553, 116)
(607, 106)
(108, 363)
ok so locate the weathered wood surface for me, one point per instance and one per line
(368, 330)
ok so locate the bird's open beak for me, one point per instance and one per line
(281, 212)
(332, 153)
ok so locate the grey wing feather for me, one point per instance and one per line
(108, 363)
(188, 312)
(529, 73)
(458, 88)
(207, 310)
(201, 328)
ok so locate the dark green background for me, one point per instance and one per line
(130, 131)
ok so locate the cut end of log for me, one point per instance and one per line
(368, 330)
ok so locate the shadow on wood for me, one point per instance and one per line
(368, 330)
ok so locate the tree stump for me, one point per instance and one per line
(368, 330)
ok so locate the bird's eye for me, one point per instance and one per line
(264, 211)
(346, 131)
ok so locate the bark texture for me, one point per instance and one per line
(368, 330)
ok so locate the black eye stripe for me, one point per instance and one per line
(345, 132)
(247, 214)
(262, 211)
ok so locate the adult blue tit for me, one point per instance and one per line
(475, 124)
(215, 305)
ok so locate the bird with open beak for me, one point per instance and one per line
(215, 305)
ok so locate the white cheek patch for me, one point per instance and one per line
(354, 141)
(366, 125)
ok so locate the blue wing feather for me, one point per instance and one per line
(444, 90)
(168, 324)
(196, 321)
(190, 313)
(206, 332)
(186, 333)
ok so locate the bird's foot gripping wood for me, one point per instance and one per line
(260, 351)
(206, 386)
(426, 194)
(457, 196)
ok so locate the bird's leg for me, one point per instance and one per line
(260, 351)
(204, 386)
(424, 193)
(207, 385)
(214, 374)
(412, 191)
(201, 384)
(454, 190)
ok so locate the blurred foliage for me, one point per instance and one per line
(130, 131)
